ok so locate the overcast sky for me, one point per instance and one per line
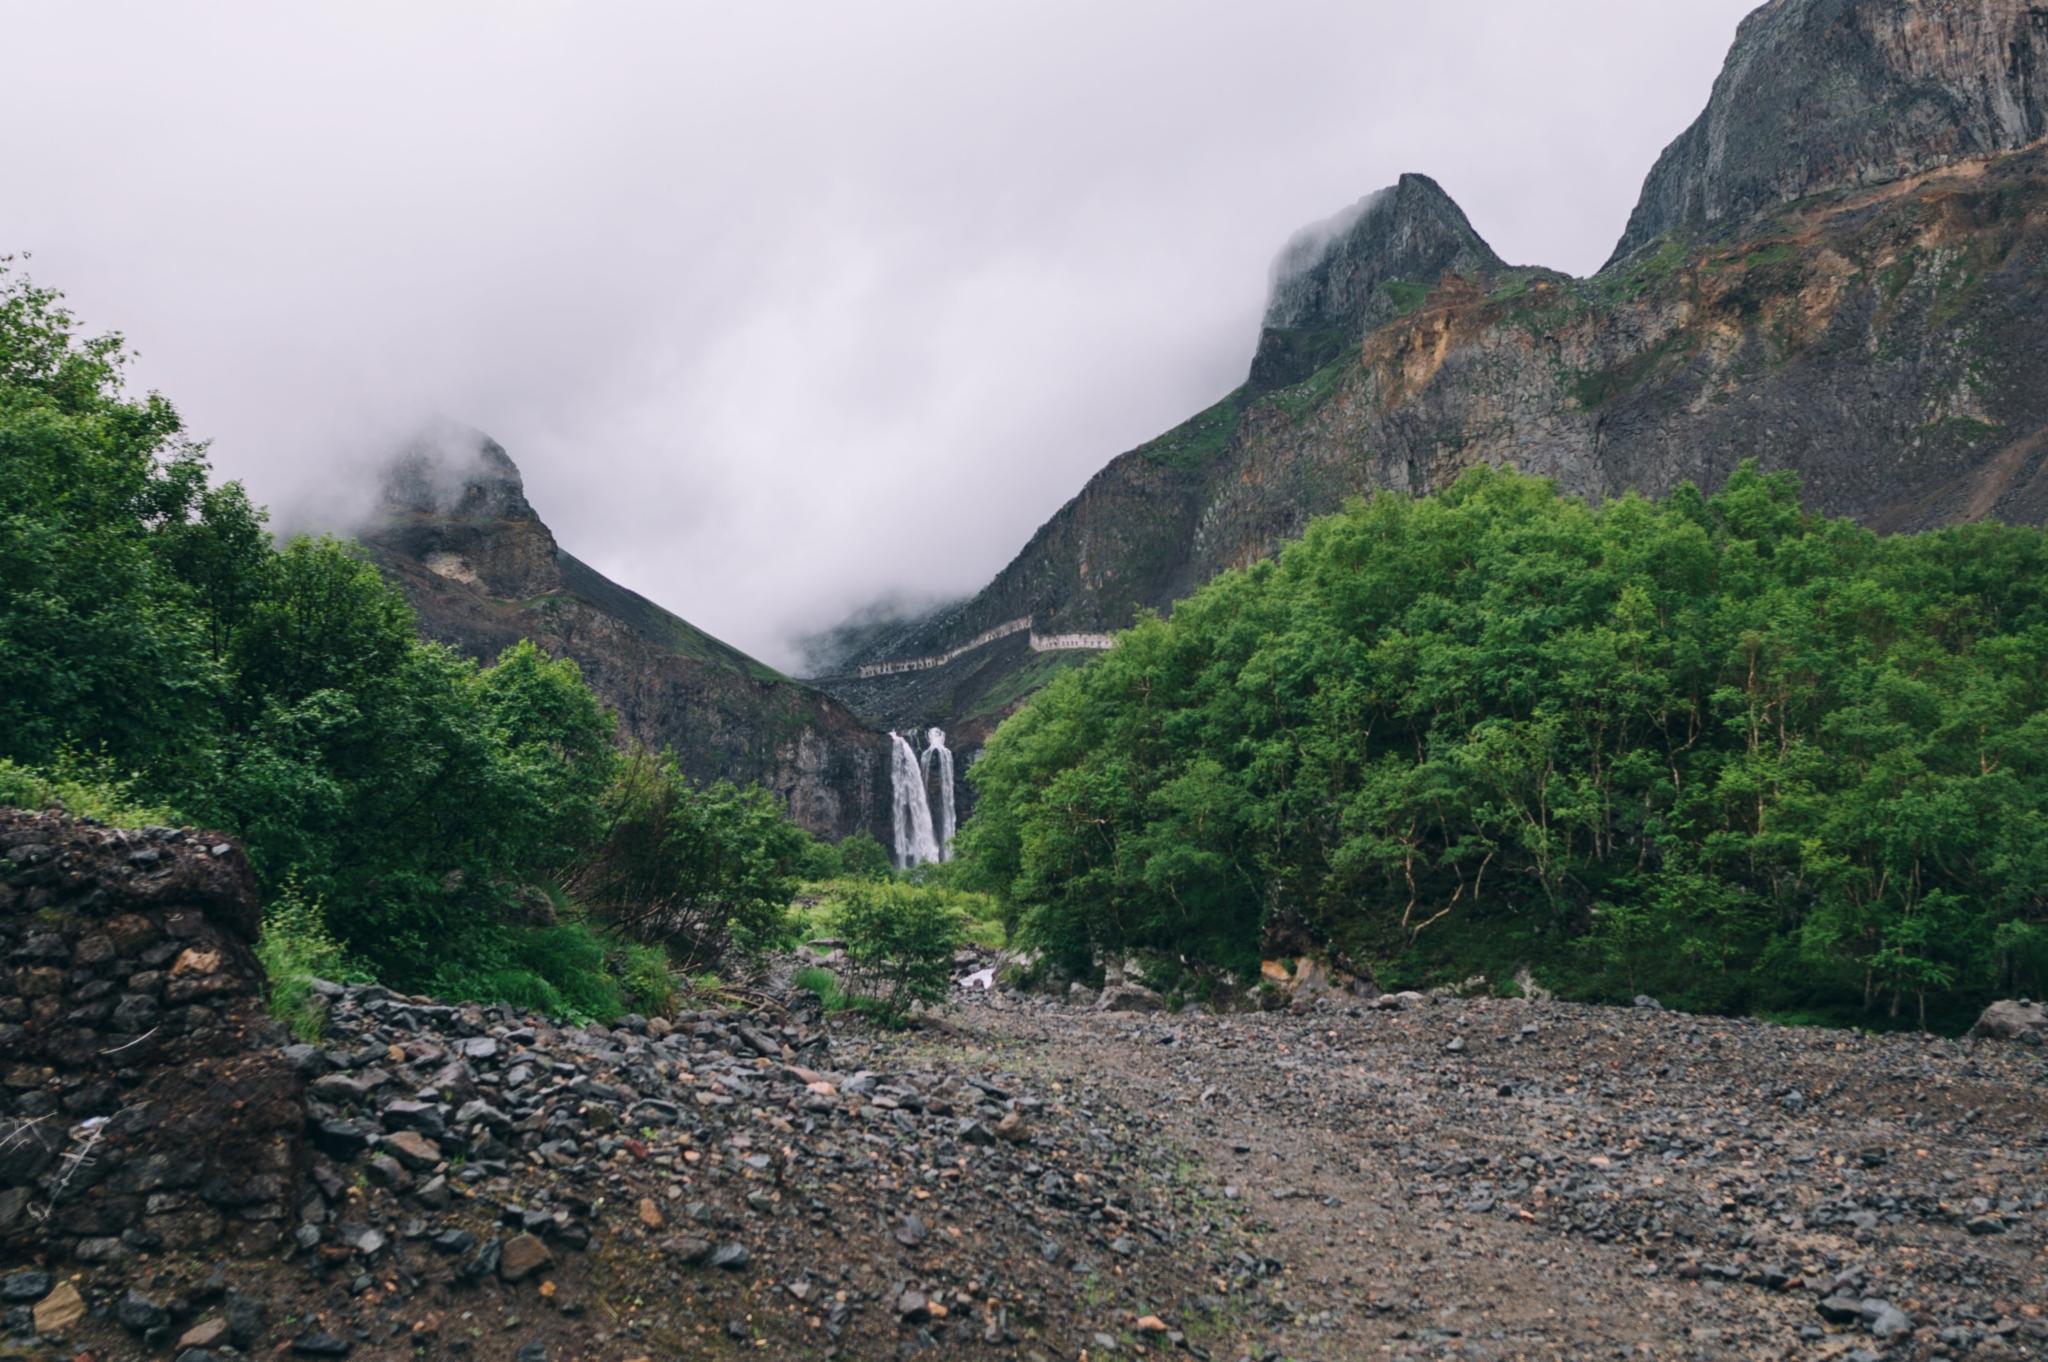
(779, 306)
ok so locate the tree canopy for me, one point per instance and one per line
(155, 642)
(1711, 748)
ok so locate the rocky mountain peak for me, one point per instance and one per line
(453, 500)
(1819, 95)
(1338, 278)
(453, 470)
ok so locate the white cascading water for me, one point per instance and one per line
(911, 819)
(939, 755)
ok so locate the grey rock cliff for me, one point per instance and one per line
(1337, 279)
(1821, 95)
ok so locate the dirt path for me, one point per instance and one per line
(1577, 1182)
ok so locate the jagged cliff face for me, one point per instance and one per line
(1337, 280)
(1884, 346)
(1842, 94)
(1841, 269)
(483, 571)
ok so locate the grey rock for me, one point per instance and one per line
(1822, 94)
(1128, 997)
(26, 1286)
(138, 1314)
(2013, 1020)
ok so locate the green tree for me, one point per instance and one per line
(1709, 747)
(697, 869)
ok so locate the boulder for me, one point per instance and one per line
(1128, 997)
(523, 1255)
(2018, 1020)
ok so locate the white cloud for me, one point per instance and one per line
(779, 307)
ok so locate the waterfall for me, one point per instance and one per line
(938, 754)
(911, 820)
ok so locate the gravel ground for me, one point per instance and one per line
(1470, 1179)
(1508, 1179)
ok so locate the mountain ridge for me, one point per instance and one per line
(1873, 332)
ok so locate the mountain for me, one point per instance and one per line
(456, 533)
(1822, 95)
(1841, 269)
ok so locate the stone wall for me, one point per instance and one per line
(144, 1102)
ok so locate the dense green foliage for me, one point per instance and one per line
(1709, 748)
(858, 856)
(900, 940)
(161, 660)
(696, 868)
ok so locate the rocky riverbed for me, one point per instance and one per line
(1423, 1178)
(488, 1184)
(1482, 1178)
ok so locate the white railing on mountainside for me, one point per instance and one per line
(1040, 643)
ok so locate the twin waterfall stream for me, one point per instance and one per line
(911, 784)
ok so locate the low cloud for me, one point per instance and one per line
(784, 309)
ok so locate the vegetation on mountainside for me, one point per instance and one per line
(1193, 444)
(1029, 676)
(161, 660)
(1712, 749)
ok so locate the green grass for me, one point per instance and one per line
(1194, 443)
(1642, 273)
(85, 787)
(823, 984)
(1013, 686)
(1303, 397)
(1775, 253)
(1405, 294)
(295, 949)
(571, 970)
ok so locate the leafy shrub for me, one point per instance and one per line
(862, 857)
(295, 948)
(697, 869)
(899, 942)
(819, 860)
(858, 856)
(86, 789)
